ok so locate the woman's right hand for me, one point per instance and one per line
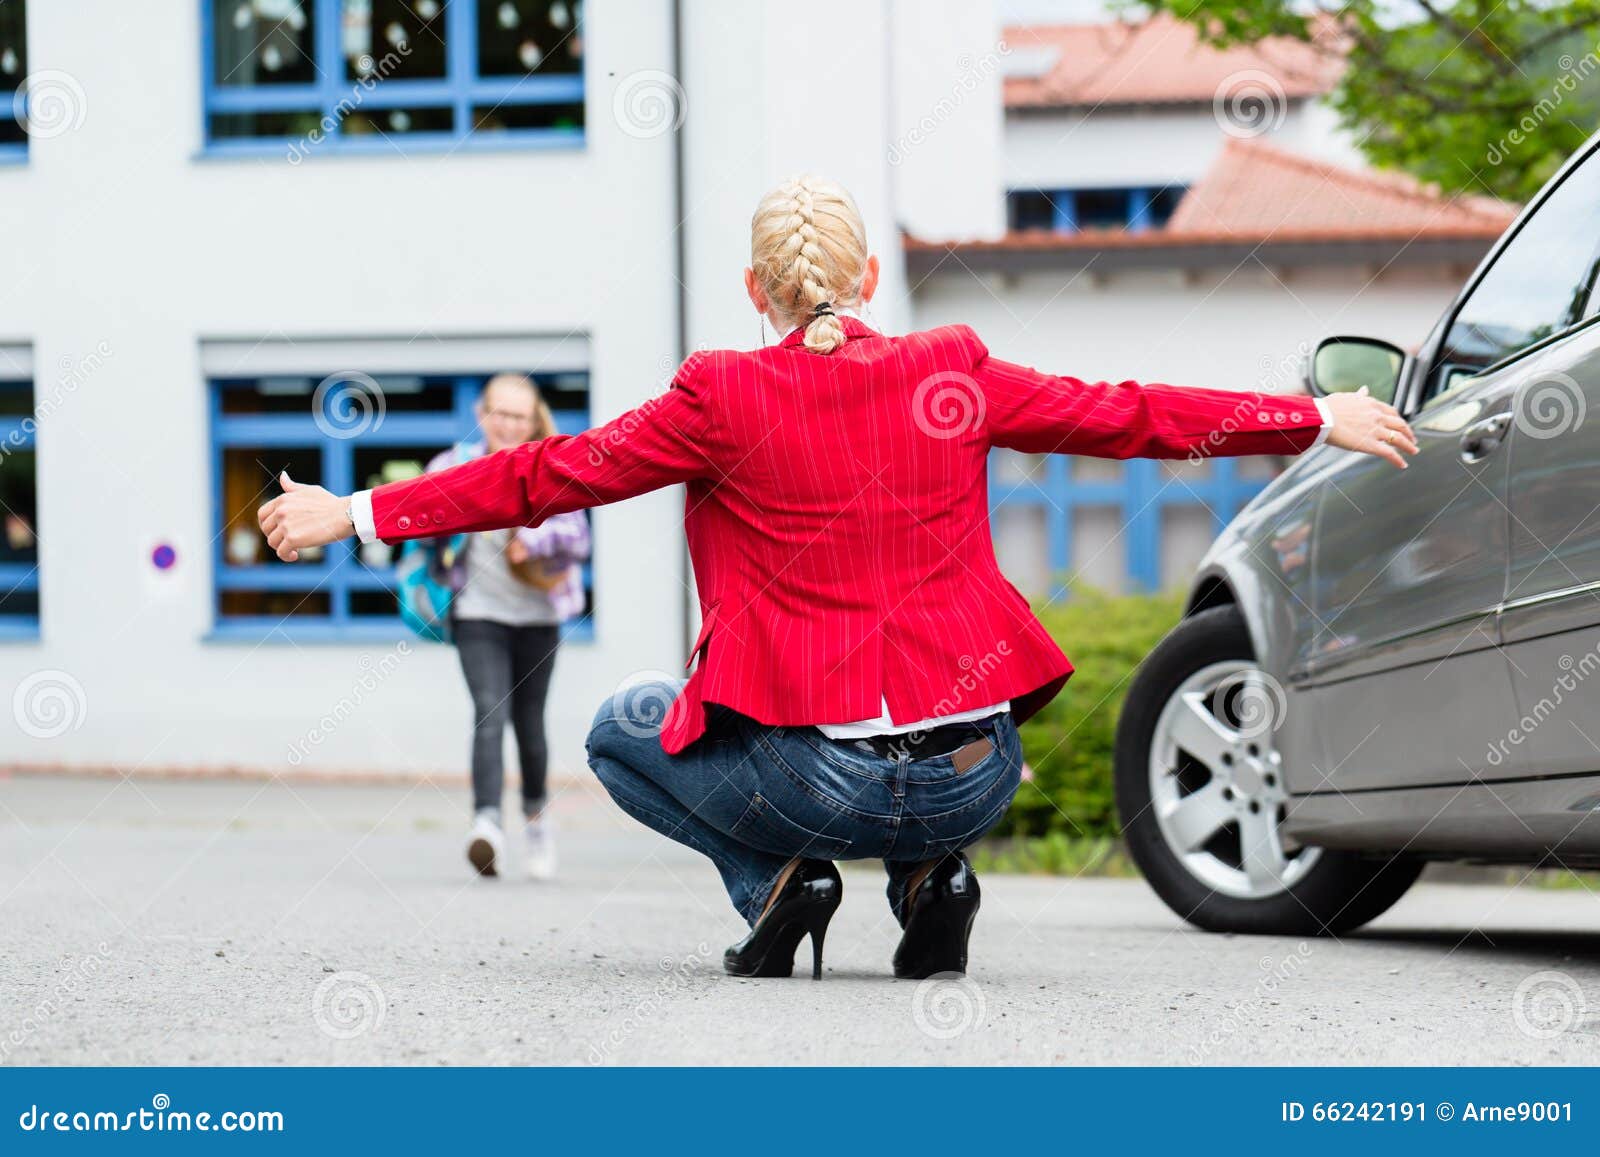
(1364, 424)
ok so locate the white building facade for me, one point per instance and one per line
(248, 235)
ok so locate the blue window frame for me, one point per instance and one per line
(386, 75)
(19, 508)
(13, 70)
(347, 433)
(1076, 210)
(1136, 488)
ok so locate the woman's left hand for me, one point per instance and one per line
(303, 516)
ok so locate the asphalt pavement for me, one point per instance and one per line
(236, 922)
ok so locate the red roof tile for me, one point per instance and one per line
(1157, 61)
(1257, 190)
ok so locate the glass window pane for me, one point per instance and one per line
(397, 121)
(263, 42)
(13, 68)
(1103, 208)
(16, 603)
(374, 604)
(274, 604)
(1536, 287)
(249, 125)
(13, 46)
(512, 117)
(375, 465)
(249, 478)
(393, 38)
(1164, 203)
(16, 398)
(523, 37)
(19, 508)
(1031, 209)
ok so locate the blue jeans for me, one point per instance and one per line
(751, 797)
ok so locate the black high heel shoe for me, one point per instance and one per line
(938, 921)
(803, 906)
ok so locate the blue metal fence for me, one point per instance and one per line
(1140, 494)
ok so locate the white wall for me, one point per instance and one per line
(1112, 147)
(946, 147)
(118, 233)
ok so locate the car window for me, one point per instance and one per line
(1539, 285)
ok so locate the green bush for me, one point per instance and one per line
(1069, 744)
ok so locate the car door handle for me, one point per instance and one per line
(1483, 438)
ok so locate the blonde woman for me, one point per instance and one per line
(513, 590)
(862, 664)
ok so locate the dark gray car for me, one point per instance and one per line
(1378, 667)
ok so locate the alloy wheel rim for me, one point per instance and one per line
(1216, 783)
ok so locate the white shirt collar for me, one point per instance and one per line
(841, 310)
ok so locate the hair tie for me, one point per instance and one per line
(822, 309)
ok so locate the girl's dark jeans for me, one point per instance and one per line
(508, 672)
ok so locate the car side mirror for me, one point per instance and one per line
(1342, 365)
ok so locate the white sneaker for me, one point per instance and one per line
(541, 846)
(486, 844)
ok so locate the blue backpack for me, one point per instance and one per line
(422, 577)
(423, 587)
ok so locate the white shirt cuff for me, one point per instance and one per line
(361, 515)
(1327, 422)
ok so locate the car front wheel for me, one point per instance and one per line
(1201, 793)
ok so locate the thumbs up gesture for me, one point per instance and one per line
(303, 516)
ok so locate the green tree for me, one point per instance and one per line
(1476, 96)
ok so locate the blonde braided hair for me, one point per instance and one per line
(808, 245)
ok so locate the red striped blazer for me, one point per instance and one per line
(837, 512)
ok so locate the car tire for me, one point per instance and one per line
(1329, 893)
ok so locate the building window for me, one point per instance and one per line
(19, 507)
(1118, 525)
(347, 432)
(385, 74)
(13, 71)
(1082, 210)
